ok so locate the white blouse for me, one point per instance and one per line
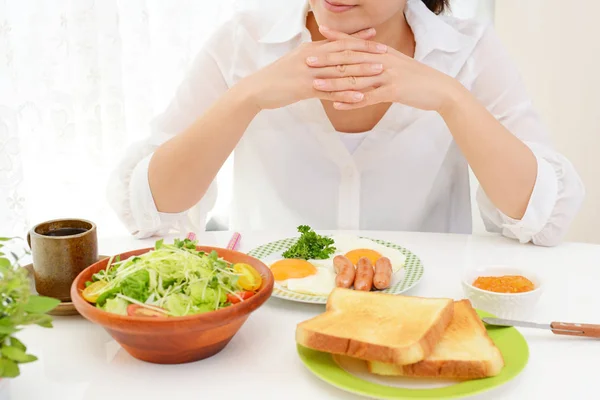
(407, 174)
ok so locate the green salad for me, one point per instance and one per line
(172, 280)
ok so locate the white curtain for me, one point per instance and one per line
(80, 80)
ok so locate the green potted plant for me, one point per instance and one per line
(19, 307)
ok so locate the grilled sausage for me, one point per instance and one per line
(364, 275)
(345, 272)
(339, 262)
(383, 273)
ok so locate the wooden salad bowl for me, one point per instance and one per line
(175, 340)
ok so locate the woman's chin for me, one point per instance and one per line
(339, 25)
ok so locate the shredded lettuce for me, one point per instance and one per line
(116, 306)
(174, 278)
(136, 285)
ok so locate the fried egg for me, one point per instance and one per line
(322, 283)
(354, 248)
(317, 277)
(303, 277)
(292, 268)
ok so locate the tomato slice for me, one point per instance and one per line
(134, 310)
(233, 299)
(249, 278)
(92, 292)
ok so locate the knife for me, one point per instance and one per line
(559, 328)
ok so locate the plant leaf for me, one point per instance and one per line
(29, 358)
(46, 323)
(4, 262)
(7, 330)
(8, 368)
(14, 342)
(41, 304)
(38, 319)
(5, 239)
(16, 354)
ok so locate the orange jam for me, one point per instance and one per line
(504, 284)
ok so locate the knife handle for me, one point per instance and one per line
(586, 330)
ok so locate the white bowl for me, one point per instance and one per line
(518, 306)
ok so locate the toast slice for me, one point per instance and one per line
(464, 352)
(377, 326)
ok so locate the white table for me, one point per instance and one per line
(79, 361)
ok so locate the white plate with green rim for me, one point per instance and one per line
(353, 376)
(402, 281)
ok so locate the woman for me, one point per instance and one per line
(352, 114)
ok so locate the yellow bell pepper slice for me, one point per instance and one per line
(249, 278)
(92, 292)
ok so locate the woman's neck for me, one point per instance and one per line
(395, 32)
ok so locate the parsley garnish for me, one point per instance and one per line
(310, 246)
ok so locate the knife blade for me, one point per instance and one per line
(559, 328)
(509, 322)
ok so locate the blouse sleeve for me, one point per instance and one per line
(129, 192)
(558, 191)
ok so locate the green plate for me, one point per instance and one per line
(413, 270)
(511, 343)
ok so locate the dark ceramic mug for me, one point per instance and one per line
(61, 249)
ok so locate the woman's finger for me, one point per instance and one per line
(342, 71)
(351, 83)
(347, 97)
(345, 57)
(353, 44)
(372, 97)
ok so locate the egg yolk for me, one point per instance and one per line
(292, 269)
(357, 254)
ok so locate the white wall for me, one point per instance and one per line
(556, 45)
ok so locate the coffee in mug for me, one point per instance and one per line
(61, 249)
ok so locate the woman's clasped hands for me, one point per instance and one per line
(353, 72)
